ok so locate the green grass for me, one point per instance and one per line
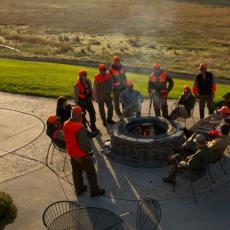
(53, 80)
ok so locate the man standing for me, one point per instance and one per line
(131, 100)
(83, 97)
(119, 81)
(158, 90)
(79, 147)
(204, 89)
(102, 91)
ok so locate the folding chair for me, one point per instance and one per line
(59, 149)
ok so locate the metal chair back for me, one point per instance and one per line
(148, 214)
(56, 209)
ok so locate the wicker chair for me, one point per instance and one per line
(56, 209)
(148, 214)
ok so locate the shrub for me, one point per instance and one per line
(8, 210)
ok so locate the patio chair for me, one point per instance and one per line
(56, 209)
(218, 160)
(148, 214)
(191, 178)
(59, 148)
(184, 120)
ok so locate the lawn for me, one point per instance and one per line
(179, 34)
(53, 80)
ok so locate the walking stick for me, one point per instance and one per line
(150, 103)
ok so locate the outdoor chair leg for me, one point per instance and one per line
(222, 167)
(210, 186)
(63, 169)
(52, 154)
(210, 175)
(193, 192)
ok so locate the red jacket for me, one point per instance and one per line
(71, 129)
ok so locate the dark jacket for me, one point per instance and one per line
(205, 86)
(64, 113)
(188, 101)
(198, 162)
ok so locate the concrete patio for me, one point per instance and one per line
(34, 186)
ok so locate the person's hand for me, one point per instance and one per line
(182, 164)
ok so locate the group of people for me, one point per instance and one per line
(70, 129)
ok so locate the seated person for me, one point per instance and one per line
(55, 132)
(185, 104)
(131, 101)
(209, 123)
(225, 102)
(63, 109)
(195, 164)
(217, 142)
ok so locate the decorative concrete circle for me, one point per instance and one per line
(18, 129)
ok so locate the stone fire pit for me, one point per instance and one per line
(144, 141)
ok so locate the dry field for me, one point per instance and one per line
(178, 34)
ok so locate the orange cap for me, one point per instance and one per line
(156, 66)
(52, 119)
(224, 110)
(82, 73)
(203, 66)
(77, 109)
(116, 59)
(186, 88)
(102, 67)
(129, 83)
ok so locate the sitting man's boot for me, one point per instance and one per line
(171, 179)
(84, 189)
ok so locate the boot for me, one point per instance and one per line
(100, 192)
(111, 122)
(171, 179)
(82, 190)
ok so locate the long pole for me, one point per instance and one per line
(150, 103)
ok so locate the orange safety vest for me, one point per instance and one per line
(71, 128)
(101, 79)
(115, 72)
(162, 78)
(82, 91)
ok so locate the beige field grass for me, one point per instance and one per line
(178, 34)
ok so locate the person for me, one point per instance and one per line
(79, 148)
(83, 95)
(204, 89)
(54, 131)
(209, 123)
(217, 142)
(185, 104)
(117, 73)
(194, 164)
(159, 90)
(225, 101)
(102, 90)
(63, 110)
(131, 101)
